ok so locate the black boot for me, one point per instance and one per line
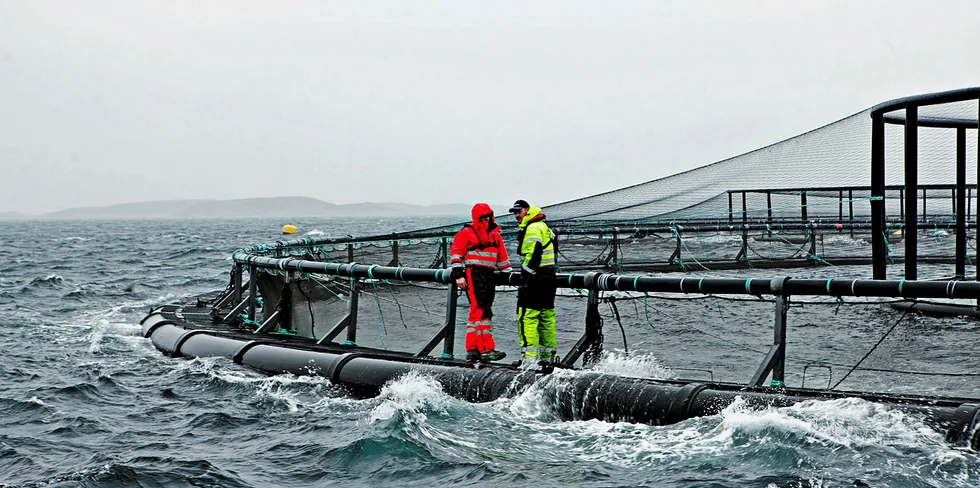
(492, 355)
(472, 355)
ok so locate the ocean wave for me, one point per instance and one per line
(51, 280)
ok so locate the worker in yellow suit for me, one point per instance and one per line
(536, 297)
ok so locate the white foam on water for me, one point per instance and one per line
(37, 401)
(315, 232)
(411, 394)
(644, 365)
(844, 239)
(848, 422)
(716, 239)
(296, 393)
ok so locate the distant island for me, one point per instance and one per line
(273, 207)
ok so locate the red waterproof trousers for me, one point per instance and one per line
(479, 291)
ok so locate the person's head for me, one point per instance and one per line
(520, 209)
(482, 215)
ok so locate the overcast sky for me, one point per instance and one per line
(436, 102)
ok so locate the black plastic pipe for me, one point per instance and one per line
(610, 282)
(578, 396)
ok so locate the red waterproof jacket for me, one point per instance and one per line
(479, 243)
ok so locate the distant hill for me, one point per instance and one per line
(14, 216)
(282, 207)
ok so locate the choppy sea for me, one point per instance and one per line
(85, 401)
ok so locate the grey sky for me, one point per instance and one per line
(436, 102)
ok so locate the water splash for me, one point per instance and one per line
(643, 365)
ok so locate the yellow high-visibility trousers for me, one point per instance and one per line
(539, 341)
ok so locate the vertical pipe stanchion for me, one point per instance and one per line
(879, 253)
(252, 286)
(237, 281)
(840, 205)
(779, 339)
(449, 340)
(952, 201)
(769, 209)
(850, 209)
(350, 252)
(924, 212)
(775, 360)
(352, 325)
(744, 253)
(676, 257)
(590, 343)
(731, 210)
(803, 206)
(445, 253)
(593, 330)
(394, 253)
(911, 191)
(901, 208)
(960, 201)
(813, 241)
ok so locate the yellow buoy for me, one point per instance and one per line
(289, 229)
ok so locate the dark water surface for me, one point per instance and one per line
(85, 401)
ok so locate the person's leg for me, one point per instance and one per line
(527, 324)
(547, 336)
(472, 321)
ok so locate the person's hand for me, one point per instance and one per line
(461, 283)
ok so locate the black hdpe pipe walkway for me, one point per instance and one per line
(609, 281)
(575, 396)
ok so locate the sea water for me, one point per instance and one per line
(86, 401)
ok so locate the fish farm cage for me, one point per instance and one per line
(663, 277)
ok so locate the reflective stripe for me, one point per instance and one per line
(491, 260)
(482, 254)
(479, 263)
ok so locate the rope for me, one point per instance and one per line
(873, 348)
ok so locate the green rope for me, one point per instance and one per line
(325, 287)
(382, 328)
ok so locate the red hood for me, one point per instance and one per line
(479, 210)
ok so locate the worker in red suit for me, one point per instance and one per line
(477, 251)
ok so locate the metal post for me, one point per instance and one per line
(352, 324)
(803, 205)
(960, 210)
(744, 253)
(879, 252)
(394, 253)
(901, 208)
(840, 205)
(445, 253)
(448, 332)
(911, 191)
(350, 252)
(252, 285)
(730, 208)
(775, 360)
(590, 343)
(769, 209)
(237, 278)
(850, 210)
(924, 212)
(449, 341)
(675, 258)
